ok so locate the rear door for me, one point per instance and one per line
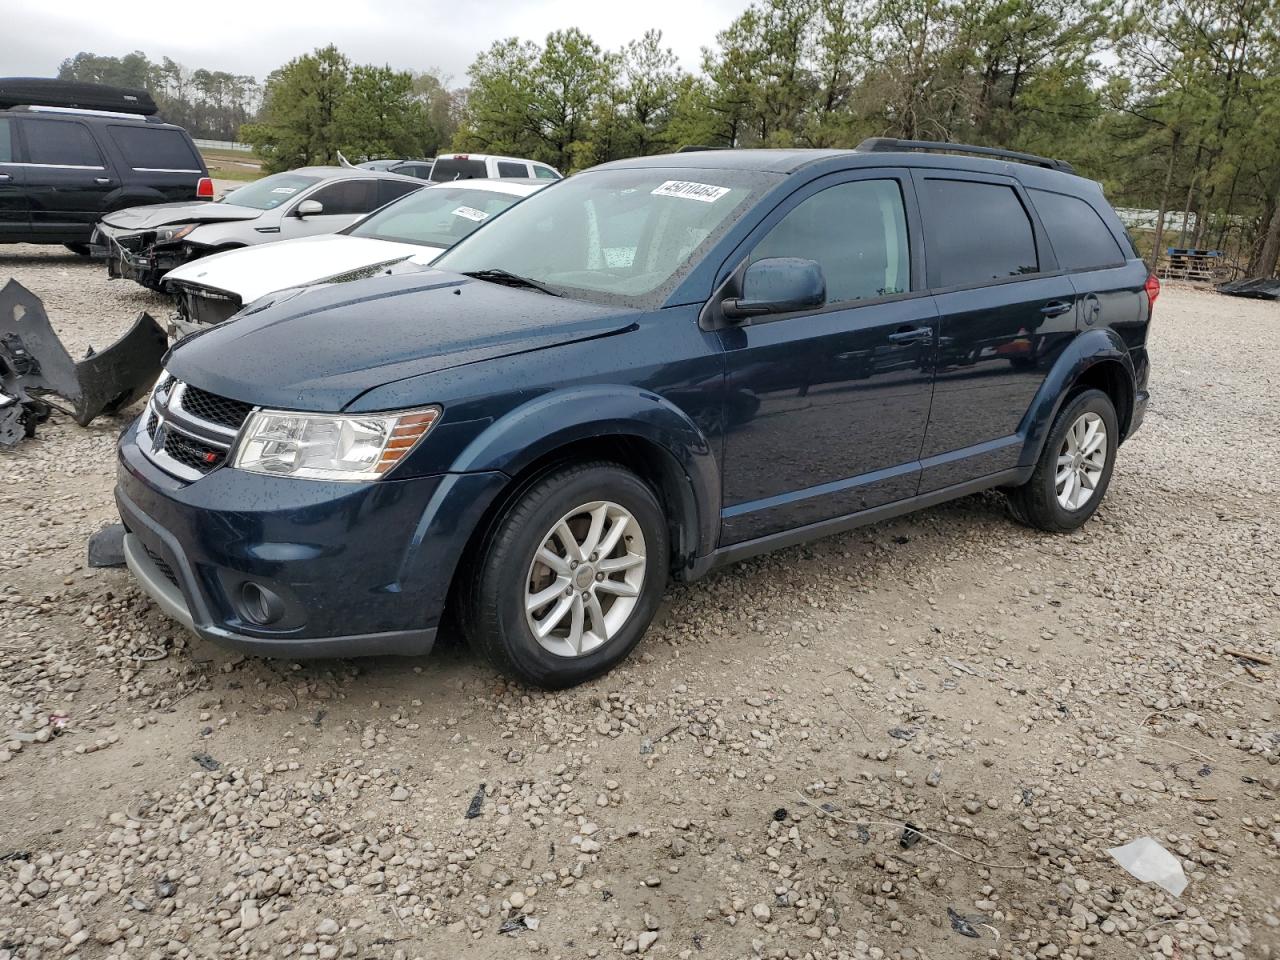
(15, 219)
(825, 409)
(1006, 313)
(68, 178)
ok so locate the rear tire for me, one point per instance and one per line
(553, 613)
(1074, 470)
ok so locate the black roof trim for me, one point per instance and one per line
(892, 145)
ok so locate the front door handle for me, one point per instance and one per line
(101, 179)
(911, 335)
(5, 178)
(1056, 308)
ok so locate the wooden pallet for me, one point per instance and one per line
(1196, 266)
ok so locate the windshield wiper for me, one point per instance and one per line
(497, 275)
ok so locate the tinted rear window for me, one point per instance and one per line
(975, 233)
(147, 148)
(1079, 236)
(6, 141)
(507, 168)
(453, 168)
(61, 143)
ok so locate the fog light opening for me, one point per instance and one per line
(259, 605)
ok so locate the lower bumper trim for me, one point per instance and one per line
(166, 594)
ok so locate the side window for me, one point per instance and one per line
(975, 233)
(857, 232)
(146, 148)
(389, 190)
(347, 197)
(6, 141)
(508, 168)
(1080, 238)
(545, 173)
(61, 143)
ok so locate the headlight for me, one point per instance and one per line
(321, 446)
(170, 234)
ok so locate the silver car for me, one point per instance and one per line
(145, 243)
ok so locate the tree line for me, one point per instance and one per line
(1173, 104)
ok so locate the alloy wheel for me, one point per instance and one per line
(585, 578)
(1081, 461)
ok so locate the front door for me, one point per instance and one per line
(1006, 315)
(344, 203)
(14, 216)
(825, 410)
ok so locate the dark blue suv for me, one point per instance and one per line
(650, 369)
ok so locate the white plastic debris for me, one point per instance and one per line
(1150, 862)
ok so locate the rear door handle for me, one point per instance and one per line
(1056, 308)
(5, 178)
(101, 179)
(911, 334)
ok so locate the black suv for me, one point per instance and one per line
(70, 152)
(650, 369)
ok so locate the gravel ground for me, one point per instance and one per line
(739, 787)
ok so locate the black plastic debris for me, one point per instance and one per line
(864, 835)
(960, 924)
(1255, 289)
(473, 808)
(901, 540)
(902, 733)
(165, 889)
(206, 761)
(106, 547)
(910, 836)
(518, 924)
(780, 814)
(15, 855)
(1026, 796)
(1205, 770)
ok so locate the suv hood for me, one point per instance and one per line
(251, 272)
(163, 214)
(322, 347)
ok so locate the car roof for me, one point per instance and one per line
(516, 186)
(788, 161)
(340, 173)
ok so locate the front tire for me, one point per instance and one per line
(1074, 470)
(570, 577)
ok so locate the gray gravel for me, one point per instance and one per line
(738, 788)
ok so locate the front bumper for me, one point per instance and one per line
(135, 256)
(357, 569)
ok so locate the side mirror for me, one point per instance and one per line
(778, 285)
(308, 208)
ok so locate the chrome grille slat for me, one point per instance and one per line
(181, 441)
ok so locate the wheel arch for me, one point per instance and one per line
(1095, 359)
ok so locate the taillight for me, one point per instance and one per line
(1153, 290)
(204, 189)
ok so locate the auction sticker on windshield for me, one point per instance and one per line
(471, 213)
(688, 190)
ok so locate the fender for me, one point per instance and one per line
(1086, 350)
(591, 411)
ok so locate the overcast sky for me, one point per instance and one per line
(241, 36)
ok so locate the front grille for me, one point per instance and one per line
(209, 406)
(190, 452)
(161, 565)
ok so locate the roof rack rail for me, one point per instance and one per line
(892, 145)
(81, 112)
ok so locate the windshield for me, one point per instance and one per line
(437, 216)
(269, 192)
(624, 237)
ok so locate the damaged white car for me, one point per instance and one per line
(145, 243)
(407, 234)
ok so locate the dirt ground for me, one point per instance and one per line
(739, 787)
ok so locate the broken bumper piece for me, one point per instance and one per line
(34, 365)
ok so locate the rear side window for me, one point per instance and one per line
(545, 173)
(457, 168)
(508, 169)
(61, 143)
(347, 197)
(389, 190)
(857, 232)
(1079, 236)
(975, 233)
(150, 149)
(6, 141)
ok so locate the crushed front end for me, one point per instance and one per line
(144, 256)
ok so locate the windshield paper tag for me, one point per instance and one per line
(688, 190)
(287, 191)
(471, 213)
